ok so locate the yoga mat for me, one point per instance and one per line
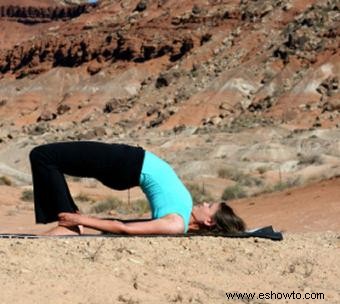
(265, 232)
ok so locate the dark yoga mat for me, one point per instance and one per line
(265, 232)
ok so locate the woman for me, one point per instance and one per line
(119, 167)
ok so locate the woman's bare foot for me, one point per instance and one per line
(61, 230)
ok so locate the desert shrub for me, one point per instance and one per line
(83, 197)
(227, 173)
(231, 173)
(247, 122)
(310, 159)
(233, 192)
(4, 180)
(111, 203)
(286, 184)
(27, 195)
(282, 185)
(23, 74)
(250, 181)
(239, 177)
(140, 206)
(262, 169)
(199, 193)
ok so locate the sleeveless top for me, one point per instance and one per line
(163, 188)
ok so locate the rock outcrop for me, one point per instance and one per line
(33, 15)
(208, 64)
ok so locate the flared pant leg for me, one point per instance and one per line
(50, 162)
(51, 192)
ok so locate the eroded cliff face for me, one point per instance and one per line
(33, 15)
(124, 35)
(165, 64)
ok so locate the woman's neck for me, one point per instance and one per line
(193, 223)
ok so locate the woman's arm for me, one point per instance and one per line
(170, 224)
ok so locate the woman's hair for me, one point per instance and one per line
(227, 221)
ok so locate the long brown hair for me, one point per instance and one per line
(227, 220)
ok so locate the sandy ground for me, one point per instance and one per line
(169, 270)
(181, 270)
(310, 208)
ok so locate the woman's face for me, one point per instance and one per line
(204, 213)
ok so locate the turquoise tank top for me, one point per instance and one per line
(163, 188)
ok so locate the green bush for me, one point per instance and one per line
(233, 192)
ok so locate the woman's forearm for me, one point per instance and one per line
(112, 226)
(170, 224)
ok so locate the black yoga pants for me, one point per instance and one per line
(116, 166)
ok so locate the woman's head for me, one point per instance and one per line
(227, 220)
(218, 217)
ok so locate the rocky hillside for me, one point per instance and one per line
(227, 80)
(274, 59)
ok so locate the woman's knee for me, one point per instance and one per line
(37, 154)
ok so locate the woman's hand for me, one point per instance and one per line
(68, 219)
